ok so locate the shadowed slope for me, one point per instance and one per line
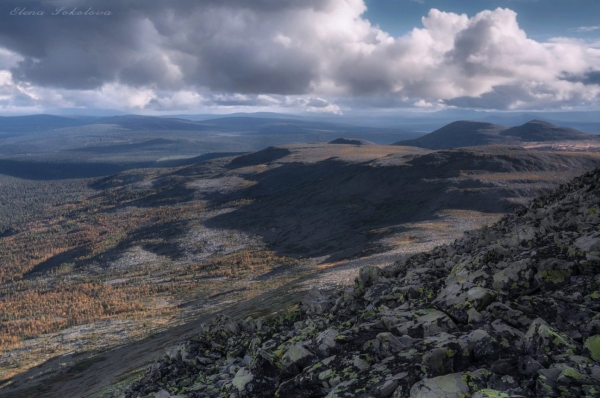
(329, 207)
(351, 141)
(459, 134)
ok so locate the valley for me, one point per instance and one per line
(106, 247)
(101, 260)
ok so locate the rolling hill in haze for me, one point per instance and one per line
(470, 133)
(94, 146)
(262, 124)
(540, 131)
(459, 134)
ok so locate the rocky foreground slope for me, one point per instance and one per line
(512, 310)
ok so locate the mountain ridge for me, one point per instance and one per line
(474, 133)
(538, 130)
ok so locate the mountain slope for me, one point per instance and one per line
(539, 131)
(468, 133)
(459, 134)
(510, 310)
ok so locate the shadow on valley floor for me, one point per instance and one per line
(268, 155)
(337, 209)
(62, 170)
(156, 238)
(58, 260)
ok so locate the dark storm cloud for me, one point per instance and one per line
(69, 52)
(591, 77)
(216, 44)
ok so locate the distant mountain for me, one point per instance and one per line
(351, 141)
(257, 124)
(209, 116)
(512, 119)
(32, 123)
(537, 130)
(470, 133)
(86, 112)
(263, 124)
(459, 134)
(138, 122)
(583, 121)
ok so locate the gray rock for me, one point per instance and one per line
(428, 325)
(298, 356)
(480, 297)
(390, 343)
(388, 388)
(315, 302)
(517, 277)
(360, 363)
(327, 338)
(447, 386)
(242, 378)
(589, 243)
(474, 316)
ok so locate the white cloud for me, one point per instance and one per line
(313, 105)
(423, 104)
(586, 28)
(306, 55)
(8, 59)
(456, 58)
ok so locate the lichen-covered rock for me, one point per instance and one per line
(447, 386)
(489, 393)
(428, 325)
(242, 378)
(297, 357)
(514, 279)
(544, 342)
(592, 344)
(480, 297)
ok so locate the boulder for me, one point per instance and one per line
(447, 386)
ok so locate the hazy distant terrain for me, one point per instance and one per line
(51, 147)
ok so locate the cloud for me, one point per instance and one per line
(302, 54)
(313, 105)
(589, 77)
(586, 28)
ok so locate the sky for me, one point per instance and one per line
(298, 56)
